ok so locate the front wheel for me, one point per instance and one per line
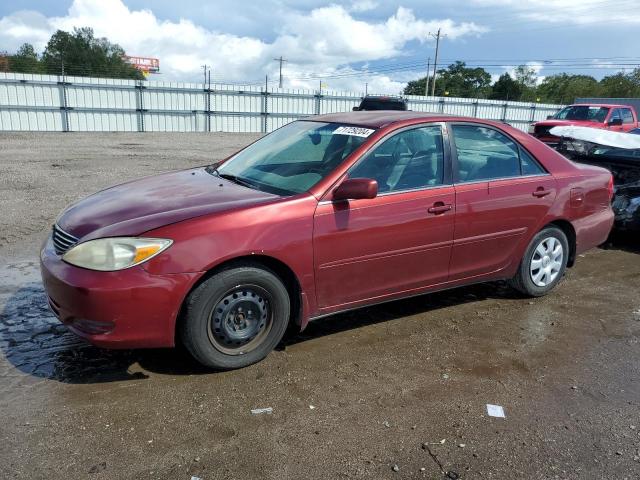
(543, 264)
(235, 318)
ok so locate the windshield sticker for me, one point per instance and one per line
(354, 131)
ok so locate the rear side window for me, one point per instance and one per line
(627, 116)
(486, 154)
(529, 165)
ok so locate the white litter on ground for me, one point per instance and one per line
(258, 411)
(495, 411)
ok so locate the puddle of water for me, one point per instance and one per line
(35, 343)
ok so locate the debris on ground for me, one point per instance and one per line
(453, 475)
(386, 424)
(259, 411)
(395, 468)
(495, 411)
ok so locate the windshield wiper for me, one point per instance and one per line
(235, 179)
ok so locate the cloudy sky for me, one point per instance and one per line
(344, 44)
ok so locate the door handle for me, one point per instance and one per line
(439, 208)
(541, 192)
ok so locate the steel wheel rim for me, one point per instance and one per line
(546, 261)
(240, 320)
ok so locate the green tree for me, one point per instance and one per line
(25, 60)
(564, 88)
(527, 78)
(457, 80)
(417, 87)
(621, 85)
(82, 54)
(506, 88)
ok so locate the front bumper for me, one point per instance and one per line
(125, 309)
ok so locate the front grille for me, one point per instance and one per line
(62, 241)
(542, 131)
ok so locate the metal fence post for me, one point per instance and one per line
(64, 103)
(265, 108)
(318, 96)
(207, 108)
(532, 117)
(505, 106)
(475, 109)
(441, 106)
(139, 105)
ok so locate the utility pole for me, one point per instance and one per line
(281, 60)
(426, 83)
(366, 89)
(437, 36)
(204, 70)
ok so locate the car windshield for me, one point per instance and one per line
(583, 112)
(293, 158)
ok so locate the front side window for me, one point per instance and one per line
(615, 115)
(486, 154)
(409, 160)
(293, 158)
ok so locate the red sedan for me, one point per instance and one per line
(323, 215)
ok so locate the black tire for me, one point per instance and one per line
(523, 280)
(200, 317)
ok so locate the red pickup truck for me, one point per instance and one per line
(620, 118)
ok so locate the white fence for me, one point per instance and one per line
(55, 103)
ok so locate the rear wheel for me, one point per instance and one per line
(235, 318)
(543, 264)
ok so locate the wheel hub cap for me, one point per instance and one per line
(546, 261)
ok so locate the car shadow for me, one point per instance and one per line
(624, 241)
(34, 342)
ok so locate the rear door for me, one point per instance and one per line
(628, 121)
(397, 242)
(502, 194)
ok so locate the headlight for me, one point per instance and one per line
(109, 254)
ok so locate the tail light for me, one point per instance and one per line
(610, 187)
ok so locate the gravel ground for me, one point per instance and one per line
(43, 173)
(393, 391)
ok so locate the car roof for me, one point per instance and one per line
(613, 105)
(379, 118)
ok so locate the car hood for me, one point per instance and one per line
(152, 202)
(558, 123)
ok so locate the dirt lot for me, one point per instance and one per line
(395, 391)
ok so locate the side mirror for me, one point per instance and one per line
(356, 109)
(549, 117)
(356, 189)
(615, 122)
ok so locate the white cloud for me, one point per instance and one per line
(582, 12)
(363, 6)
(323, 41)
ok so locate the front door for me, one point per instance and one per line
(502, 194)
(400, 240)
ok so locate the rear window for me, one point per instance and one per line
(382, 104)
